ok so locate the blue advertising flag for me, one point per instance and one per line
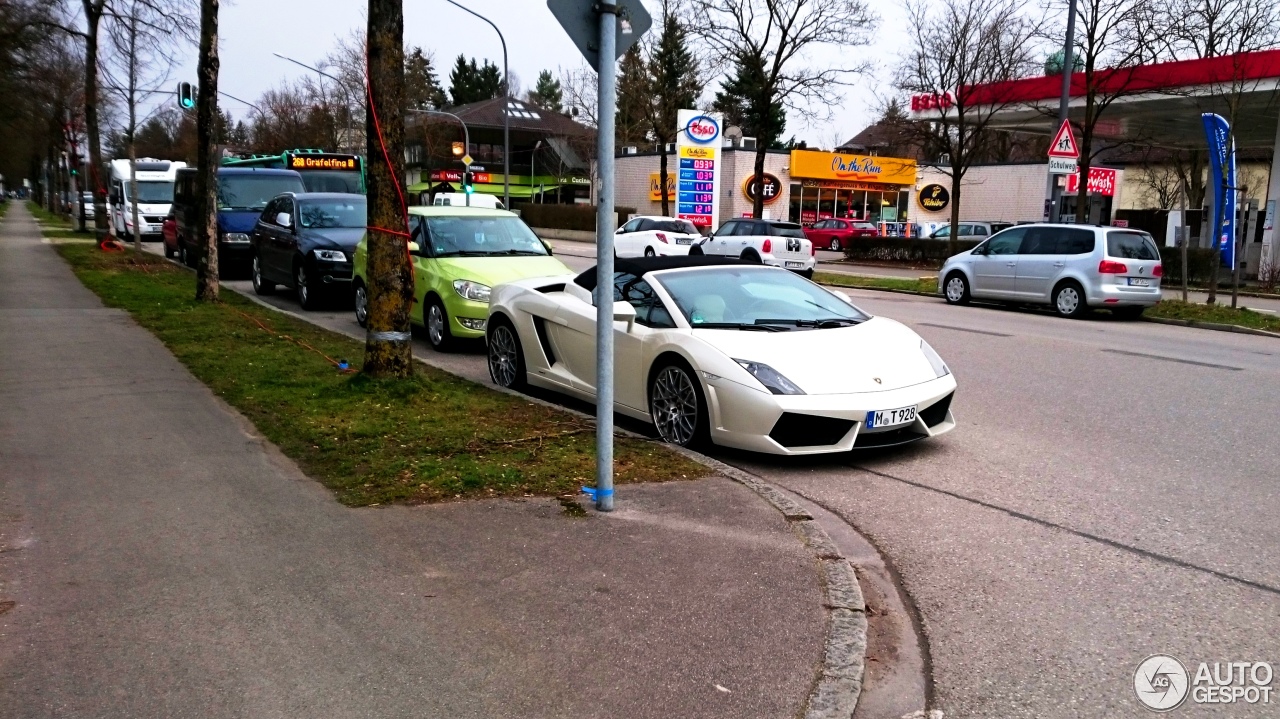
(1222, 172)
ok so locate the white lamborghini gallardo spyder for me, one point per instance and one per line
(743, 355)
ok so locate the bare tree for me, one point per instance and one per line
(580, 100)
(958, 44)
(207, 154)
(144, 37)
(1227, 29)
(1111, 38)
(773, 40)
(388, 352)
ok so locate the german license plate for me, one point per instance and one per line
(1139, 282)
(684, 240)
(793, 265)
(891, 417)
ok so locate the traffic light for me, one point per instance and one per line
(468, 182)
(186, 96)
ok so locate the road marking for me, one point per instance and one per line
(1079, 533)
(964, 329)
(1174, 359)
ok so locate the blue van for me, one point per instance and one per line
(243, 192)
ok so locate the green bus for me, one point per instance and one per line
(321, 171)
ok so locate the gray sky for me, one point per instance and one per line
(308, 29)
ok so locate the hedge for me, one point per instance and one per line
(566, 217)
(916, 251)
(1199, 265)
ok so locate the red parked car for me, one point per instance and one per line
(836, 234)
(169, 235)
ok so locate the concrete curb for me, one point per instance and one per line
(839, 682)
(835, 696)
(1216, 326)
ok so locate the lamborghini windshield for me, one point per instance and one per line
(755, 297)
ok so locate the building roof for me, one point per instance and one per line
(523, 116)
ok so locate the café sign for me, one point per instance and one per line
(934, 197)
(770, 189)
(855, 168)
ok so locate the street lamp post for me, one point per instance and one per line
(506, 107)
(466, 135)
(346, 94)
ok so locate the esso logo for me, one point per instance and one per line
(702, 129)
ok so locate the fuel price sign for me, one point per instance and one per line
(698, 181)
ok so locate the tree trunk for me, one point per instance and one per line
(388, 352)
(92, 15)
(662, 178)
(207, 154)
(133, 191)
(133, 129)
(757, 204)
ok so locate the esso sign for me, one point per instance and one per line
(702, 129)
(1102, 181)
(932, 101)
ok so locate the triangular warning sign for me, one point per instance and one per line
(1064, 143)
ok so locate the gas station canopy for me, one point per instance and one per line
(1157, 105)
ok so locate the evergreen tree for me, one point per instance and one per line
(462, 81)
(422, 90)
(674, 86)
(489, 81)
(746, 101)
(632, 123)
(470, 82)
(547, 93)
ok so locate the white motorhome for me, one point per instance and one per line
(155, 195)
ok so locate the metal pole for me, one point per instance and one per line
(605, 221)
(1185, 231)
(506, 110)
(1052, 193)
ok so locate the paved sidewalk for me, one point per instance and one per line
(165, 561)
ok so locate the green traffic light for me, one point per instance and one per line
(188, 103)
(469, 189)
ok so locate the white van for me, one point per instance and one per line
(155, 195)
(459, 199)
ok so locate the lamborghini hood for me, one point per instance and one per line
(879, 354)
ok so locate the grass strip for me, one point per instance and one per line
(433, 437)
(876, 283)
(1217, 313)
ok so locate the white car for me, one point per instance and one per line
(768, 242)
(650, 236)
(721, 350)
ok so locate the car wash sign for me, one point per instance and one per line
(698, 179)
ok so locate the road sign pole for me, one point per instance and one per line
(1052, 193)
(605, 221)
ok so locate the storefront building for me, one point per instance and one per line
(825, 185)
(798, 185)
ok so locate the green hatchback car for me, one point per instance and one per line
(459, 253)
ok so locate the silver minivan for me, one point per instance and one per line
(1073, 268)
